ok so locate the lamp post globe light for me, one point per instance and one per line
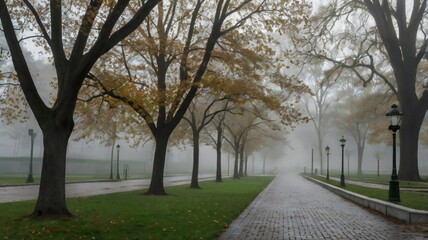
(342, 176)
(327, 150)
(117, 166)
(394, 126)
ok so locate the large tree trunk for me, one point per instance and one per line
(218, 177)
(409, 133)
(320, 151)
(404, 57)
(360, 159)
(51, 201)
(246, 165)
(235, 169)
(241, 161)
(156, 184)
(194, 182)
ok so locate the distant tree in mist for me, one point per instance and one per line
(356, 112)
(379, 156)
(199, 114)
(317, 104)
(372, 39)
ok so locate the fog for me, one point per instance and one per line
(302, 140)
(178, 159)
(294, 156)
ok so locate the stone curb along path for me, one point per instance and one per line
(406, 214)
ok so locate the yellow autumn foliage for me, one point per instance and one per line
(153, 71)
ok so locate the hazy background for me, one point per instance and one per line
(15, 154)
(295, 156)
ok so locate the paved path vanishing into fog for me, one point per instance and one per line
(30, 192)
(292, 207)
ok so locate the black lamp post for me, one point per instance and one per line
(117, 166)
(342, 176)
(327, 150)
(30, 178)
(394, 126)
(111, 162)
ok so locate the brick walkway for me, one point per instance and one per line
(294, 208)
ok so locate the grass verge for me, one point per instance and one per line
(184, 214)
(384, 179)
(413, 200)
(19, 179)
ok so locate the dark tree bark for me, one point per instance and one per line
(235, 166)
(409, 138)
(235, 143)
(218, 140)
(51, 200)
(197, 127)
(237, 139)
(359, 133)
(360, 150)
(168, 121)
(246, 165)
(241, 160)
(156, 183)
(400, 29)
(171, 108)
(195, 170)
(218, 177)
(404, 58)
(57, 122)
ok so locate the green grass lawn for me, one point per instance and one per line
(8, 179)
(408, 199)
(382, 179)
(183, 214)
(16, 179)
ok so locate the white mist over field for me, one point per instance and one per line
(295, 156)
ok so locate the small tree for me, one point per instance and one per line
(317, 103)
(217, 126)
(356, 113)
(237, 127)
(200, 114)
(378, 156)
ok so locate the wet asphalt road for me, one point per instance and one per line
(29, 192)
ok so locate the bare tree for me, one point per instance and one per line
(355, 35)
(356, 113)
(378, 156)
(199, 115)
(318, 104)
